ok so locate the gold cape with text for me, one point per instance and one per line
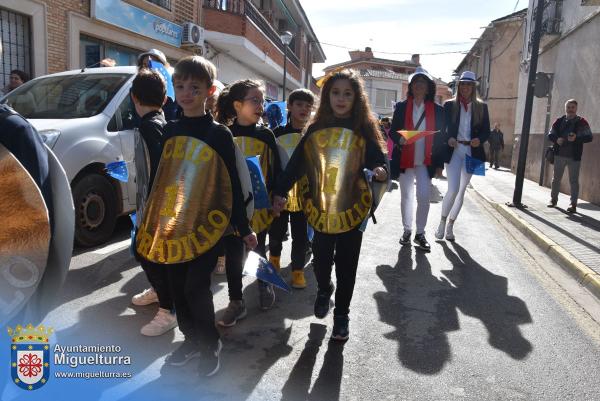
(335, 194)
(189, 207)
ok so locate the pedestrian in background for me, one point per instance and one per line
(422, 160)
(468, 127)
(496, 146)
(16, 79)
(568, 133)
(343, 139)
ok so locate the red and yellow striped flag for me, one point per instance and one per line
(414, 136)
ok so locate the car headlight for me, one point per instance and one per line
(50, 136)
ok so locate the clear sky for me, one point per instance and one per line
(404, 26)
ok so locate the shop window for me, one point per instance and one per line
(166, 4)
(93, 50)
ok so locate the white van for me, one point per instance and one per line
(87, 119)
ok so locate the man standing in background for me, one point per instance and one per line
(496, 141)
(568, 134)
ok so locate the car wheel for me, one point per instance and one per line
(95, 210)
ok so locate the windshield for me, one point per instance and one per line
(67, 96)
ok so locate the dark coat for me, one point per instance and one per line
(561, 128)
(439, 143)
(480, 130)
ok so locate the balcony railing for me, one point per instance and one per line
(247, 8)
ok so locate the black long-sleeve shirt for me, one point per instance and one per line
(152, 131)
(219, 138)
(265, 135)
(286, 129)
(374, 157)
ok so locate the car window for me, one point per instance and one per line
(67, 96)
(124, 117)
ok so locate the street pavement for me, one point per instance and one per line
(572, 238)
(478, 319)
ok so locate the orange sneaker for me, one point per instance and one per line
(298, 280)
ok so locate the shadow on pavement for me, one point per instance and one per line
(594, 225)
(328, 383)
(85, 280)
(122, 232)
(421, 308)
(483, 295)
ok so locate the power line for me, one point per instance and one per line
(398, 53)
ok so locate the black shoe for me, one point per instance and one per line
(405, 240)
(182, 355)
(209, 363)
(572, 209)
(322, 301)
(308, 254)
(422, 243)
(552, 203)
(340, 328)
(266, 295)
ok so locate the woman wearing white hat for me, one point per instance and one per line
(468, 127)
(421, 159)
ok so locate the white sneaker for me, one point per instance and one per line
(449, 232)
(439, 234)
(162, 322)
(146, 297)
(220, 267)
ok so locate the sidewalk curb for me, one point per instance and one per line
(585, 276)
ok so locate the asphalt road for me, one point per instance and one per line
(478, 319)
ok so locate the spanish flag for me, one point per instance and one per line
(414, 136)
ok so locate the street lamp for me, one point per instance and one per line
(286, 38)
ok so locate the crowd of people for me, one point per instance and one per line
(195, 192)
(312, 167)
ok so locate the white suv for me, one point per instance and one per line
(87, 119)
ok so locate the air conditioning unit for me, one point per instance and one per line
(193, 35)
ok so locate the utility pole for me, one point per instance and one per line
(546, 127)
(535, 46)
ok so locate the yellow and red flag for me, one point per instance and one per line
(414, 136)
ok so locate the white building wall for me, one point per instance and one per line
(574, 59)
(371, 86)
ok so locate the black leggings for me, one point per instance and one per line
(299, 237)
(159, 280)
(344, 249)
(235, 257)
(193, 299)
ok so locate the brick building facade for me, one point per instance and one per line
(386, 81)
(240, 36)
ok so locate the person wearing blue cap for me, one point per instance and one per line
(468, 127)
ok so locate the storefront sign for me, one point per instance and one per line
(134, 19)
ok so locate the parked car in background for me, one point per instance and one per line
(86, 117)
